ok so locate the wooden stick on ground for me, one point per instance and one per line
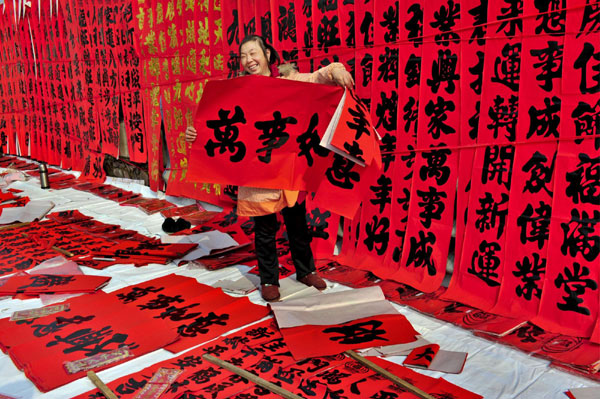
(251, 377)
(11, 226)
(392, 377)
(64, 252)
(101, 386)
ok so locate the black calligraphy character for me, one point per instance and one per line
(474, 122)
(340, 173)
(388, 67)
(530, 273)
(377, 233)
(414, 24)
(477, 70)
(436, 165)
(432, 204)
(529, 333)
(233, 65)
(587, 121)
(328, 33)
(574, 285)
(309, 141)
(540, 173)
(409, 160)
(479, 13)
(550, 64)
(420, 253)
(289, 374)
(511, 17)
(354, 150)
(359, 123)
(200, 324)
(391, 20)
(92, 342)
(358, 333)
(544, 122)
(287, 23)
(504, 116)
(507, 67)
(387, 147)
(438, 115)
(367, 67)
(445, 21)
(587, 53)
(232, 30)
(47, 280)
(187, 362)
(178, 314)
(265, 27)
(444, 70)
(427, 355)
(366, 28)
(351, 32)
(535, 228)
(485, 262)
(552, 15)
(584, 182)
(411, 113)
(578, 235)
(412, 70)
(129, 387)
(327, 5)
(273, 134)
(382, 191)
(226, 135)
(259, 333)
(161, 302)
(317, 223)
(205, 375)
(591, 15)
(491, 215)
(387, 111)
(497, 164)
(41, 330)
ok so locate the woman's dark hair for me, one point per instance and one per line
(273, 59)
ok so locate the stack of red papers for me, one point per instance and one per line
(52, 284)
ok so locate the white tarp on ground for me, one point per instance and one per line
(491, 370)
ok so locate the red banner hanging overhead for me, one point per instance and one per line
(570, 298)
(473, 33)
(476, 280)
(530, 204)
(430, 222)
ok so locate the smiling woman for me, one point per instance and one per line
(257, 57)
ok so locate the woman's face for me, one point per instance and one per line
(253, 59)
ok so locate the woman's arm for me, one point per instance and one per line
(332, 74)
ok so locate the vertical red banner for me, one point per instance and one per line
(571, 297)
(409, 79)
(431, 209)
(476, 280)
(530, 204)
(473, 33)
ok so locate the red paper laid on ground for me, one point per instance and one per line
(309, 341)
(51, 283)
(422, 356)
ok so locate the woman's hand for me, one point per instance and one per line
(190, 134)
(342, 78)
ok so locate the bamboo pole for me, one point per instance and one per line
(101, 385)
(251, 377)
(392, 377)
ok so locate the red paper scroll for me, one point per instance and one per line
(473, 19)
(530, 204)
(571, 296)
(283, 26)
(259, 131)
(309, 341)
(409, 73)
(476, 280)
(425, 248)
